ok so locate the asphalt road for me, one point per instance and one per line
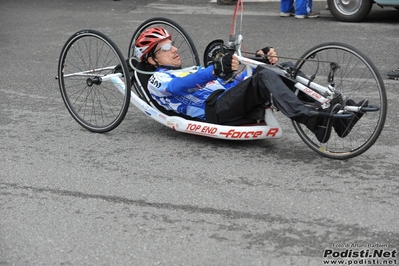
(146, 195)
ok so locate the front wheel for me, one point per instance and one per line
(358, 79)
(350, 10)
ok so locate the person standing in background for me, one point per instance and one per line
(302, 9)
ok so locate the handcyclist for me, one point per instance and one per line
(200, 92)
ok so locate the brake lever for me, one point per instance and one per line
(333, 68)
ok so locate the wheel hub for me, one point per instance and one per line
(348, 7)
(93, 81)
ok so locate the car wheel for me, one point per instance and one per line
(226, 2)
(350, 10)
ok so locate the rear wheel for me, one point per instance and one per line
(358, 79)
(87, 61)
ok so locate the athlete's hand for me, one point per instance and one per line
(269, 53)
(235, 63)
(225, 66)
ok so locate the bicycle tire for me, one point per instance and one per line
(86, 58)
(358, 79)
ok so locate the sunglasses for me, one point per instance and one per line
(166, 47)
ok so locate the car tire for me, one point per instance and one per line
(350, 10)
(226, 2)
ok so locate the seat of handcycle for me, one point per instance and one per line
(143, 81)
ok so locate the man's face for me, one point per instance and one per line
(166, 54)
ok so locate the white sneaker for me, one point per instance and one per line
(291, 13)
(310, 15)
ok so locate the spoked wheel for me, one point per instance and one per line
(356, 78)
(93, 92)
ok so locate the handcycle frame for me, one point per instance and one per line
(269, 128)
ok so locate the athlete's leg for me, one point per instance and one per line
(264, 86)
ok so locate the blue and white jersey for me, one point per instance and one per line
(183, 93)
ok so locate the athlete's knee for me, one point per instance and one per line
(288, 64)
(268, 73)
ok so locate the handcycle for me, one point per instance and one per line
(98, 84)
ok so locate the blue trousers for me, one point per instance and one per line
(302, 7)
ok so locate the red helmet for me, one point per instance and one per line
(148, 39)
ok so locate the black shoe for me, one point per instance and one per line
(323, 129)
(343, 126)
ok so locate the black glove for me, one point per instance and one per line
(214, 50)
(222, 66)
(265, 51)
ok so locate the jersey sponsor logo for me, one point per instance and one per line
(189, 99)
(182, 74)
(154, 82)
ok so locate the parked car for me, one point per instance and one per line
(226, 2)
(356, 10)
